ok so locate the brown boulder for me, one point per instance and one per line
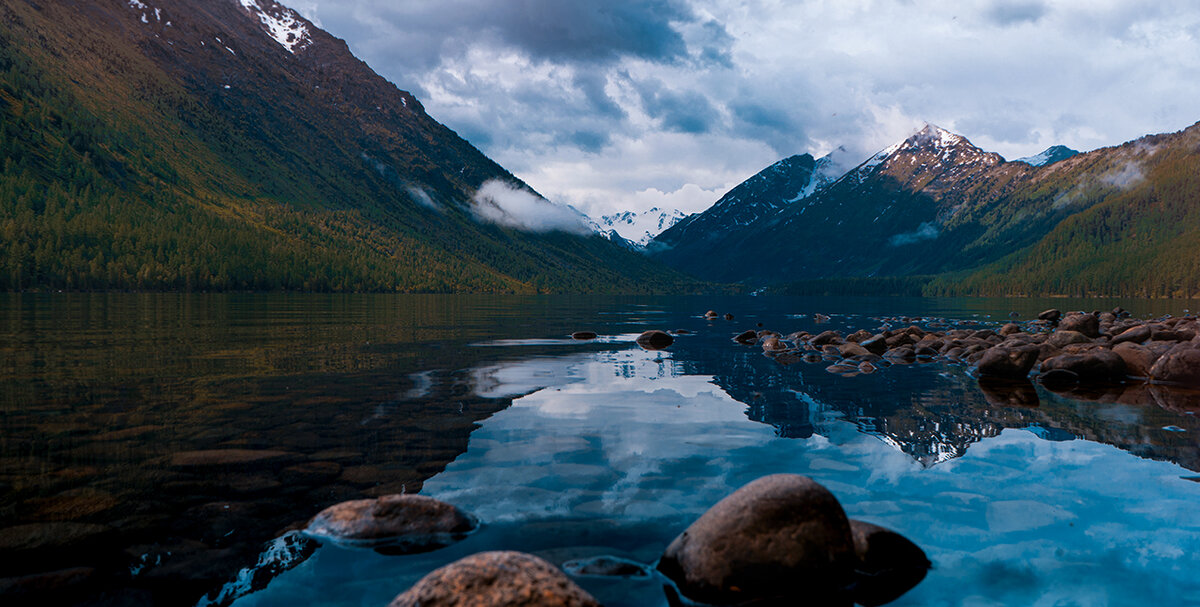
(888, 564)
(852, 349)
(827, 337)
(781, 537)
(747, 337)
(1135, 334)
(405, 523)
(1179, 366)
(583, 335)
(876, 344)
(496, 579)
(1065, 337)
(1093, 365)
(772, 344)
(1087, 324)
(655, 340)
(1138, 358)
(1051, 316)
(1010, 329)
(1002, 361)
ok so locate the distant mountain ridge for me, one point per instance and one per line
(640, 227)
(232, 144)
(938, 207)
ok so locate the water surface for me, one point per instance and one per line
(565, 449)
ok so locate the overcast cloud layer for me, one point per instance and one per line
(628, 104)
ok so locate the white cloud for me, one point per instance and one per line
(720, 89)
(502, 204)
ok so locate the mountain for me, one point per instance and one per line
(1051, 155)
(764, 195)
(1115, 221)
(640, 228)
(232, 144)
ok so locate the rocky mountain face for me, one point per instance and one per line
(232, 144)
(764, 195)
(935, 205)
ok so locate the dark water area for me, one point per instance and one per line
(152, 446)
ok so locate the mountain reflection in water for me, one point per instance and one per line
(572, 449)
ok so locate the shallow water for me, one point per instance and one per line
(565, 449)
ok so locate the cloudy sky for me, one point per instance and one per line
(626, 104)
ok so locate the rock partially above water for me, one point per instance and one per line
(606, 566)
(655, 340)
(496, 579)
(583, 335)
(403, 523)
(780, 537)
(888, 564)
(1007, 362)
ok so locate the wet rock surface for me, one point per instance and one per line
(655, 340)
(888, 564)
(404, 523)
(779, 536)
(496, 579)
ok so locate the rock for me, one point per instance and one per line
(1010, 329)
(866, 367)
(728, 316)
(901, 355)
(821, 318)
(1093, 365)
(772, 344)
(888, 564)
(582, 335)
(1005, 392)
(1179, 366)
(1063, 338)
(606, 566)
(496, 579)
(859, 336)
(1058, 379)
(710, 314)
(310, 473)
(1138, 358)
(849, 349)
(876, 344)
(1173, 335)
(1012, 363)
(925, 352)
(1136, 334)
(747, 337)
(780, 537)
(827, 337)
(1087, 324)
(229, 458)
(410, 523)
(1051, 316)
(655, 340)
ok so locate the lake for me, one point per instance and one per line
(154, 444)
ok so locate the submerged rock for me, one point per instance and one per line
(655, 340)
(606, 566)
(583, 335)
(404, 523)
(496, 579)
(888, 564)
(781, 537)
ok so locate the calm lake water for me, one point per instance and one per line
(111, 407)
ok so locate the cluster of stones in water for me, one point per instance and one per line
(1061, 351)
(782, 538)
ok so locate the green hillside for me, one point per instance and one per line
(146, 159)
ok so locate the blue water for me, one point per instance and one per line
(568, 449)
(615, 450)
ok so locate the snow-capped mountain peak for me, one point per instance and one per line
(640, 227)
(1050, 155)
(281, 23)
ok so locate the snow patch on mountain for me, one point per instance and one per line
(1050, 155)
(280, 23)
(640, 228)
(828, 169)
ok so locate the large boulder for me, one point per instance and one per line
(1138, 358)
(1007, 362)
(1051, 316)
(1179, 366)
(496, 579)
(888, 564)
(1087, 324)
(1136, 334)
(655, 340)
(827, 337)
(403, 523)
(747, 337)
(1063, 338)
(781, 537)
(1094, 365)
